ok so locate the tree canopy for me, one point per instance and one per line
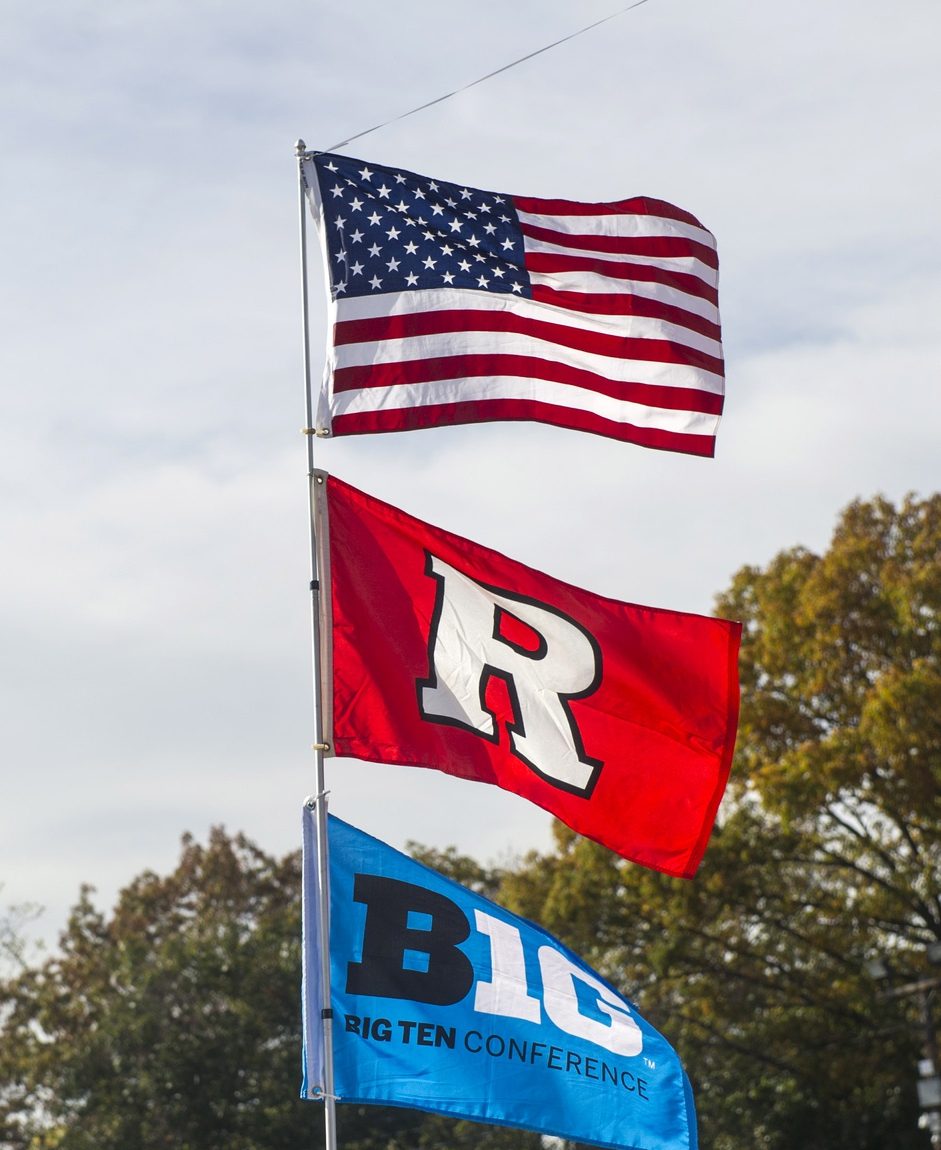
(175, 1020)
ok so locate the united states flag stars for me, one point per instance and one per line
(390, 230)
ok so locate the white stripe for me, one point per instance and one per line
(417, 395)
(617, 370)
(450, 299)
(591, 283)
(686, 264)
(619, 225)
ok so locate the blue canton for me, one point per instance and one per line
(390, 230)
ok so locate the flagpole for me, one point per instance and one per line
(323, 888)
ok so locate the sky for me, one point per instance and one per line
(154, 605)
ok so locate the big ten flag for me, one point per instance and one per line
(446, 1002)
(453, 305)
(618, 719)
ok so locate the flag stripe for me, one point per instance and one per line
(448, 413)
(484, 388)
(600, 269)
(535, 350)
(359, 334)
(591, 285)
(634, 306)
(431, 370)
(654, 247)
(619, 315)
(641, 208)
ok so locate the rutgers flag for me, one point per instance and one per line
(618, 719)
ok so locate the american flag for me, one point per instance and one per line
(454, 305)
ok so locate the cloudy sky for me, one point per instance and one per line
(154, 614)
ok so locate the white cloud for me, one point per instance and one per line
(153, 599)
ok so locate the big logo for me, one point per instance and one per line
(411, 950)
(543, 656)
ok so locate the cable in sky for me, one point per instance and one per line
(490, 75)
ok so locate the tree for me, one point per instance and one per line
(828, 851)
(176, 1022)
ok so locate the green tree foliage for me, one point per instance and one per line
(174, 1024)
(175, 1021)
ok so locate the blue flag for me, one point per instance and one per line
(446, 1002)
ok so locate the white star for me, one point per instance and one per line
(517, 288)
(365, 173)
(340, 287)
(479, 257)
(456, 225)
(470, 215)
(432, 186)
(504, 219)
(451, 203)
(436, 209)
(356, 204)
(357, 269)
(507, 245)
(482, 281)
(356, 236)
(337, 191)
(464, 265)
(393, 264)
(423, 222)
(341, 223)
(473, 241)
(411, 279)
(429, 262)
(446, 249)
(341, 256)
(484, 207)
(393, 233)
(411, 248)
(498, 272)
(399, 178)
(465, 194)
(375, 283)
(375, 218)
(419, 194)
(490, 228)
(428, 235)
(384, 192)
(448, 278)
(402, 207)
(331, 167)
(499, 200)
(375, 250)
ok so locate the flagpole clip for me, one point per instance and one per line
(312, 801)
(321, 746)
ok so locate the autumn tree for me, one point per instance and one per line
(828, 852)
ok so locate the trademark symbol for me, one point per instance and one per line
(649, 1063)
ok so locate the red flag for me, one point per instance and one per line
(450, 304)
(618, 719)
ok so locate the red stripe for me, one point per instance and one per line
(579, 339)
(455, 367)
(549, 264)
(488, 411)
(637, 206)
(623, 303)
(663, 247)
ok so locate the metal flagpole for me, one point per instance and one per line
(323, 890)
